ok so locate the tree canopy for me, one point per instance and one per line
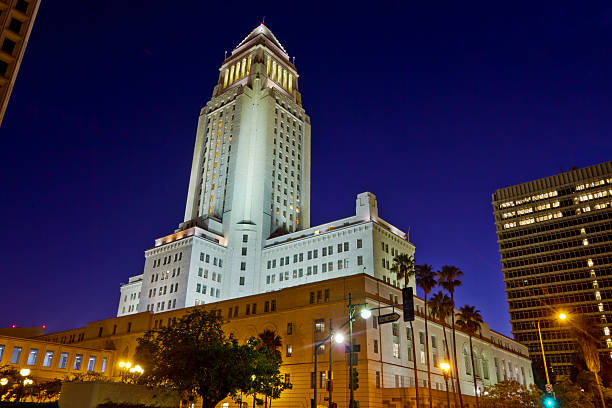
(511, 394)
(194, 356)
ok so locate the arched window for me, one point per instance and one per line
(477, 364)
(231, 79)
(267, 66)
(466, 360)
(485, 366)
(243, 68)
(226, 77)
(248, 70)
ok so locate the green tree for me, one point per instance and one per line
(194, 356)
(511, 394)
(571, 395)
(469, 320)
(273, 385)
(449, 278)
(403, 268)
(441, 308)
(425, 279)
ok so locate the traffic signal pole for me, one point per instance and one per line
(329, 380)
(352, 392)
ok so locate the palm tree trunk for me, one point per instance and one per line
(603, 401)
(455, 351)
(414, 362)
(448, 355)
(474, 371)
(427, 351)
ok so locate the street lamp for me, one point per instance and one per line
(125, 366)
(338, 338)
(365, 314)
(3, 381)
(562, 316)
(445, 367)
(24, 372)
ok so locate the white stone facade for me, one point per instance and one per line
(247, 219)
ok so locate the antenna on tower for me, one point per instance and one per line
(263, 20)
(225, 55)
(293, 60)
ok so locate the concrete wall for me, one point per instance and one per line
(91, 394)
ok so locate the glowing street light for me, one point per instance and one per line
(339, 338)
(24, 372)
(562, 316)
(27, 381)
(3, 381)
(445, 367)
(365, 313)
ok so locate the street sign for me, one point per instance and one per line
(356, 348)
(388, 318)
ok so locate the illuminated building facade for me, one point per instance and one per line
(16, 21)
(247, 228)
(303, 315)
(555, 240)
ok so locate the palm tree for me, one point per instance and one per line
(449, 278)
(271, 340)
(441, 307)
(469, 320)
(585, 333)
(403, 267)
(424, 277)
(274, 342)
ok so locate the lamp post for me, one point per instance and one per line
(548, 385)
(338, 338)
(445, 367)
(125, 366)
(365, 314)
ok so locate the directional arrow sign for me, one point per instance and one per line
(388, 318)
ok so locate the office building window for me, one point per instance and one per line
(378, 379)
(91, 364)
(16, 355)
(78, 360)
(48, 359)
(242, 281)
(375, 346)
(63, 363)
(289, 329)
(319, 326)
(289, 350)
(103, 368)
(245, 238)
(243, 266)
(32, 356)
(2, 346)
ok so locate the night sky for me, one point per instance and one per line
(430, 107)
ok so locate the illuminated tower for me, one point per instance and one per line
(250, 176)
(247, 228)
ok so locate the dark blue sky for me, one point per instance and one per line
(430, 107)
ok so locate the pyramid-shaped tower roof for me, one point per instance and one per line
(261, 29)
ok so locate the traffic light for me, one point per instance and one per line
(355, 383)
(548, 401)
(408, 304)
